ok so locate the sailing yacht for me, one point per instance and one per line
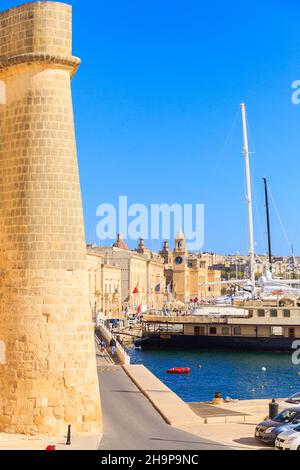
(262, 316)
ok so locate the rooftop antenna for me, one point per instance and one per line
(249, 196)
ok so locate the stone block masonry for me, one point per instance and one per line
(48, 368)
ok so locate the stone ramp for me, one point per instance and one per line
(121, 356)
(174, 410)
(105, 357)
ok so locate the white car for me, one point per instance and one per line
(288, 440)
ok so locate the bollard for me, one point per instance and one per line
(273, 409)
(68, 443)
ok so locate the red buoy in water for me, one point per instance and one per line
(179, 370)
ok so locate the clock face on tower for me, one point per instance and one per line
(178, 260)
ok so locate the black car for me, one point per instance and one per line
(268, 430)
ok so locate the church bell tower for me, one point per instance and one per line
(180, 269)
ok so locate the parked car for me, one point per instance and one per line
(294, 399)
(288, 440)
(132, 321)
(267, 431)
(116, 323)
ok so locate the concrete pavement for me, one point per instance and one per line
(131, 422)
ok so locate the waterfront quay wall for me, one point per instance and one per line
(176, 412)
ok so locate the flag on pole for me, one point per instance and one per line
(135, 290)
(139, 311)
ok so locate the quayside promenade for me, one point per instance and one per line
(159, 419)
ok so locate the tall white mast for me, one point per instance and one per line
(249, 196)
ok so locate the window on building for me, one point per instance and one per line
(225, 330)
(199, 330)
(292, 333)
(286, 313)
(277, 331)
(261, 313)
(274, 313)
(212, 330)
(237, 331)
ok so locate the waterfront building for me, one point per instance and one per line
(189, 274)
(213, 289)
(104, 286)
(94, 266)
(142, 274)
(156, 281)
(198, 277)
(167, 254)
(111, 288)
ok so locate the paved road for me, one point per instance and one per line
(131, 422)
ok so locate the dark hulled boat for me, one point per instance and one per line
(253, 326)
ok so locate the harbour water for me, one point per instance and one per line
(244, 375)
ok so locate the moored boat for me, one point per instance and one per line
(263, 326)
(179, 370)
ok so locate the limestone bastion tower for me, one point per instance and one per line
(48, 373)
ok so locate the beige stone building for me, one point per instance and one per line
(94, 265)
(198, 278)
(111, 287)
(48, 376)
(156, 281)
(181, 271)
(189, 275)
(104, 286)
(142, 274)
(214, 276)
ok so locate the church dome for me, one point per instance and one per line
(120, 243)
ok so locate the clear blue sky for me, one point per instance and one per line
(155, 98)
